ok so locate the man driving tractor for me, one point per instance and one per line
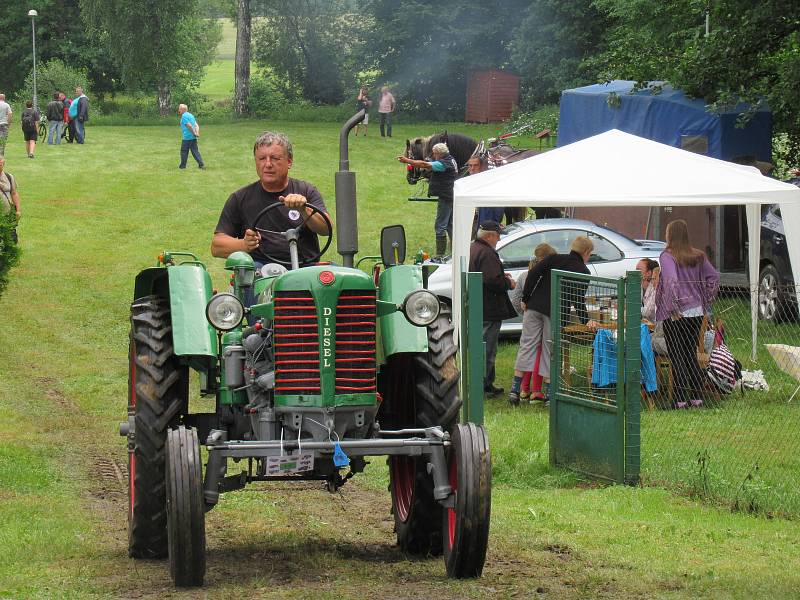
(273, 158)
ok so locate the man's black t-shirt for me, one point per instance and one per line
(243, 206)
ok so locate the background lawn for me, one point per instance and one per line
(93, 216)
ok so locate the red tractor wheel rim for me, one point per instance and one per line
(132, 451)
(451, 512)
(403, 483)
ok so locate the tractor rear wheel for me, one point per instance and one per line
(421, 392)
(158, 393)
(466, 525)
(186, 521)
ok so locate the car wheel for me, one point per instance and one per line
(770, 302)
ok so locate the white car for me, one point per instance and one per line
(614, 254)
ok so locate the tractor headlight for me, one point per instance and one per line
(421, 308)
(224, 312)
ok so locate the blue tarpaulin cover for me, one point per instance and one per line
(666, 117)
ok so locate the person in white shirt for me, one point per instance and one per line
(5, 121)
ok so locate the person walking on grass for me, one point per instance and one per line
(55, 116)
(386, 107)
(30, 127)
(5, 121)
(363, 103)
(190, 131)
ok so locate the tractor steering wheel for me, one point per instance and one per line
(293, 234)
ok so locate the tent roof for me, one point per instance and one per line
(620, 169)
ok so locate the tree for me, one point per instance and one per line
(312, 47)
(751, 54)
(53, 76)
(242, 63)
(158, 44)
(60, 34)
(550, 47)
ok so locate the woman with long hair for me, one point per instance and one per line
(687, 285)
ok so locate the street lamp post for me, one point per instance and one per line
(33, 14)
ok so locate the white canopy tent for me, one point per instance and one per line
(619, 169)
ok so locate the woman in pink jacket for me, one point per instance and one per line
(686, 287)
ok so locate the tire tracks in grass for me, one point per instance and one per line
(285, 540)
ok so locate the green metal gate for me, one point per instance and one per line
(595, 375)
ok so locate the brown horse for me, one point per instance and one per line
(496, 151)
(461, 148)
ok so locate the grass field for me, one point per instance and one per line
(93, 216)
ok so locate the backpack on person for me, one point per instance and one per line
(28, 121)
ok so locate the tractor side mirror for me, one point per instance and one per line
(393, 245)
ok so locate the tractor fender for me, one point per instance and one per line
(395, 332)
(188, 289)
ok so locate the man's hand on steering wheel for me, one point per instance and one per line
(312, 213)
(312, 221)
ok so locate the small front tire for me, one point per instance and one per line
(186, 525)
(466, 526)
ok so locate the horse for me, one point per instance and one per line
(496, 151)
(461, 148)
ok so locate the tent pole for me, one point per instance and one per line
(754, 251)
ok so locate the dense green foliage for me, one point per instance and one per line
(60, 33)
(317, 52)
(9, 251)
(158, 45)
(51, 77)
(751, 52)
(551, 45)
(313, 48)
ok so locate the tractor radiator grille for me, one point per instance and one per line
(296, 344)
(355, 342)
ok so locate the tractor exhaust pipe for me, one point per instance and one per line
(345, 185)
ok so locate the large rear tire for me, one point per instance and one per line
(466, 525)
(158, 393)
(186, 522)
(421, 391)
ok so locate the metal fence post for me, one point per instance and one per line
(555, 364)
(472, 346)
(633, 365)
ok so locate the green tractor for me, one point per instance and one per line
(327, 366)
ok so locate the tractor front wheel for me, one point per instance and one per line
(158, 393)
(466, 525)
(186, 522)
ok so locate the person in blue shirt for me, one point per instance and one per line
(190, 131)
(444, 172)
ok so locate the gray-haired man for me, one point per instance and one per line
(273, 158)
(444, 172)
